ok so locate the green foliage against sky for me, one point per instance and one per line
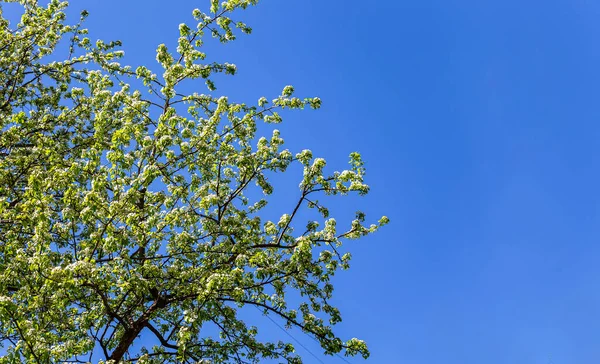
(125, 207)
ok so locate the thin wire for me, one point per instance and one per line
(299, 343)
(336, 354)
(341, 357)
(290, 335)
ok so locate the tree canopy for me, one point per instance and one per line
(128, 206)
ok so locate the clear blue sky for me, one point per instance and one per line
(479, 123)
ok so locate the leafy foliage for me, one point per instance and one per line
(126, 210)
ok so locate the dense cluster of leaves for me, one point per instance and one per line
(126, 211)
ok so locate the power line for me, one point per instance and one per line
(299, 343)
(290, 335)
(336, 354)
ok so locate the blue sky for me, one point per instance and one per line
(478, 122)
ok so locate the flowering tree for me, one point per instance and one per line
(125, 210)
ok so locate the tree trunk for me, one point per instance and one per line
(132, 332)
(126, 341)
